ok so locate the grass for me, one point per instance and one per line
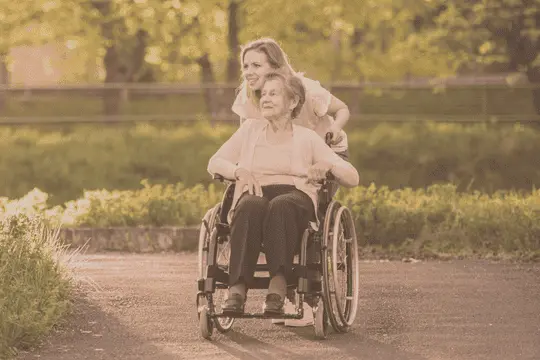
(35, 286)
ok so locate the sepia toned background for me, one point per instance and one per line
(111, 109)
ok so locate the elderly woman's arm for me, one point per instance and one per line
(224, 161)
(345, 173)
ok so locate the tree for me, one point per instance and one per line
(488, 32)
(14, 18)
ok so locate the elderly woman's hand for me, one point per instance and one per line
(245, 178)
(318, 171)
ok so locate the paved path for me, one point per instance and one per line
(145, 309)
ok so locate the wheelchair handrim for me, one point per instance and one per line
(327, 281)
(347, 313)
(204, 237)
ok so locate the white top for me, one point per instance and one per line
(272, 163)
(312, 116)
(307, 149)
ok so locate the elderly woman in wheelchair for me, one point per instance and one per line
(277, 168)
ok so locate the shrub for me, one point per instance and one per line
(34, 285)
(65, 164)
(435, 220)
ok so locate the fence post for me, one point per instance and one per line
(124, 97)
(485, 109)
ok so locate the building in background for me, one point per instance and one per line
(51, 64)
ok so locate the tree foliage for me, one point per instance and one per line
(342, 40)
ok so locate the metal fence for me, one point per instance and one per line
(368, 102)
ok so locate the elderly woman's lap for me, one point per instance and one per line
(276, 222)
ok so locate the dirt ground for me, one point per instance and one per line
(143, 307)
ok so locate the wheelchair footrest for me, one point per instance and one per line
(257, 316)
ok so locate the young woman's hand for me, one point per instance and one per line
(336, 135)
(245, 178)
(318, 171)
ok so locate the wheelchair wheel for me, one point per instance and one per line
(205, 324)
(223, 255)
(208, 238)
(345, 266)
(208, 223)
(320, 321)
(340, 267)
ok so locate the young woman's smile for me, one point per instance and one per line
(255, 66)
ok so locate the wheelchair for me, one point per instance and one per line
(333, 291)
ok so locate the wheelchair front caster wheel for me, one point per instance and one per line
(320, 322)
(206, 325)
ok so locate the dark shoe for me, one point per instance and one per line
(274, 305)
(234, 304)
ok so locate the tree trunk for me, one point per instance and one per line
(533, 75)
(137, 63)
(357, 40)
(210, 95)
(522, 51)
(233, 63)
(337, 62)
(4, 80)
(111, 101)
(111, 60)
(227, 95)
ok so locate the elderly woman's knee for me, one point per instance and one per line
(252, 203)
(290, 202)
(282, 202)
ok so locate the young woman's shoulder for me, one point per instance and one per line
(318, 97)
(310, 85)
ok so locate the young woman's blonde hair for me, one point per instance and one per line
(276, 57)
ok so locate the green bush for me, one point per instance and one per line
(441, 220)
(65, 164)
(437, 220)
(157, 205)
(473, 157)
(34, 285)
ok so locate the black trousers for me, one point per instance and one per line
(275, 222)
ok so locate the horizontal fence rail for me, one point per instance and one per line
(410, 101)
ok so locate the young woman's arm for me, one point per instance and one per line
(340, 112)
(326, 104)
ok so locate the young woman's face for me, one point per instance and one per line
(274, 100)
(255, 66)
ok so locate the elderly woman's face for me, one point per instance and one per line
(274, 100)
(254, 68)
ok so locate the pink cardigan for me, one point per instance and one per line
(308, 149)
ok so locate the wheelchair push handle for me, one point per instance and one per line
(218, 177)
(328, 140)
